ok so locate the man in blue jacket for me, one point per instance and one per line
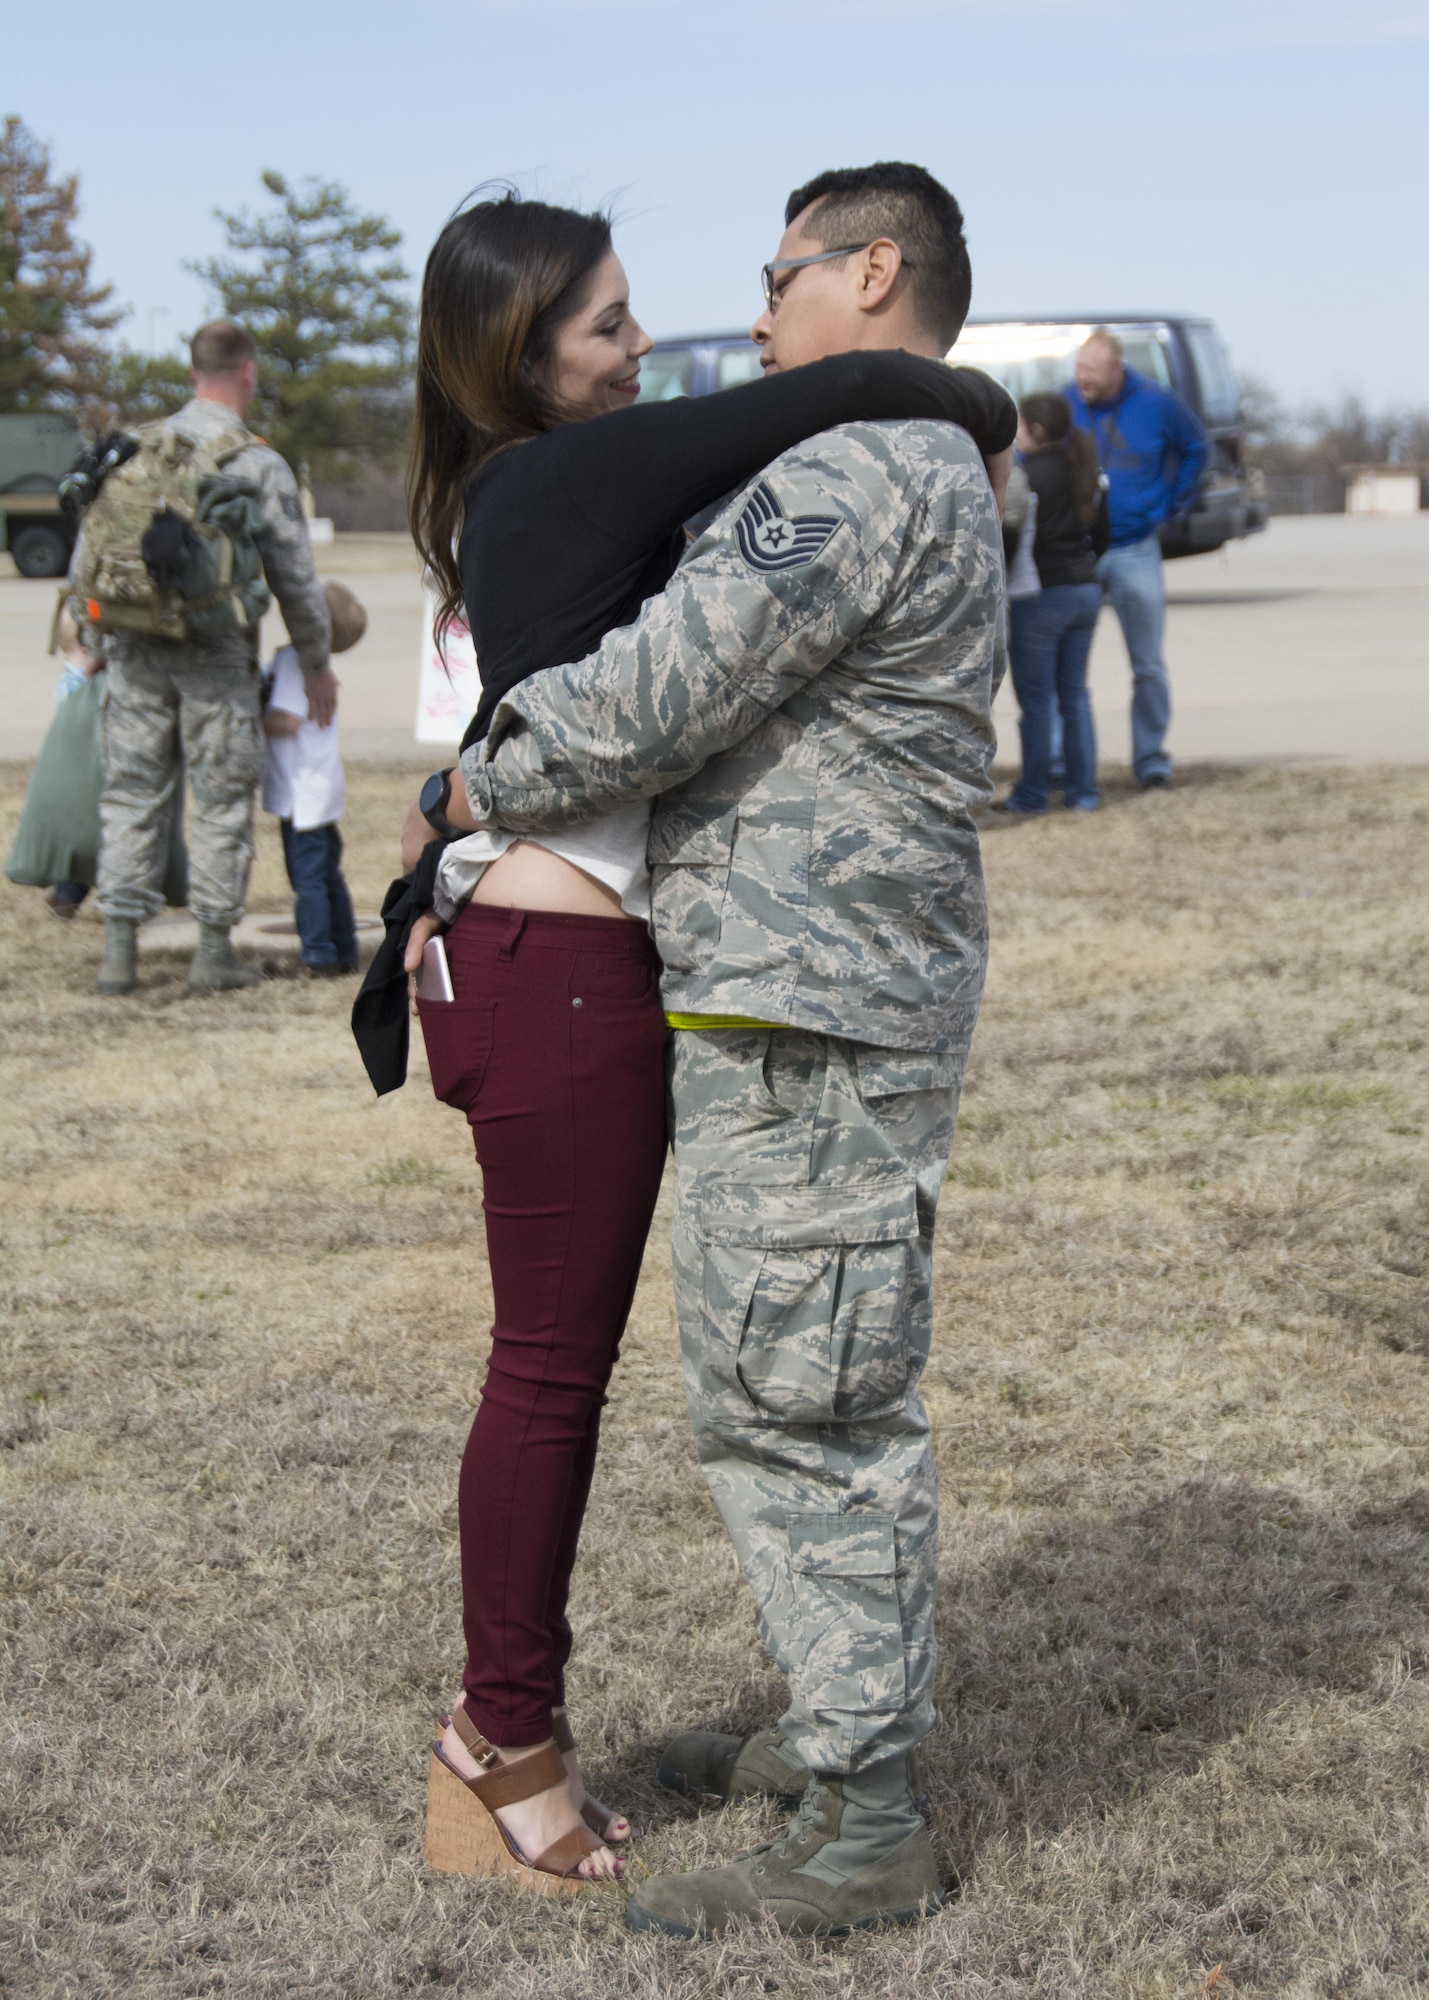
(1152, 449)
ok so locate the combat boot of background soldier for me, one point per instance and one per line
(856, 1855)
(119, 968)
(216, 966)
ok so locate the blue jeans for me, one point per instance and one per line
(323, 912)
(1132, 579)
(1051, 643)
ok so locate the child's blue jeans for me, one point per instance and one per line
(323, 914)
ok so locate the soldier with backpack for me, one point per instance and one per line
(187, 524)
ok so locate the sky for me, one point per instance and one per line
(1263, 162)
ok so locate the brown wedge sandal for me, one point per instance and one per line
(464, 1836)
(597, 1817)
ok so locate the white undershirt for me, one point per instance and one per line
(1022, 577)
(611, 848)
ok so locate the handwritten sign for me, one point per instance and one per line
(448, 687)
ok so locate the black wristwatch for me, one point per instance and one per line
(435, 794)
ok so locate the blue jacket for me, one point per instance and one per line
(1151, 448)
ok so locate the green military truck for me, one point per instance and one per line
(35, 454)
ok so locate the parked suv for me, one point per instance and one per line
(697, 366)
(1186, 355)
(35, 452)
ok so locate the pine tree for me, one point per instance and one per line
(326, 302)
(144, 387)
(52, 314)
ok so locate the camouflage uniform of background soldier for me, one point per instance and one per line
(811, 697)
(194, 703)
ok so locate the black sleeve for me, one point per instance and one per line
(637, 474)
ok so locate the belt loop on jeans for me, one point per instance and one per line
(510, 937)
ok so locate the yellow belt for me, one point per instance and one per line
(698, 1021)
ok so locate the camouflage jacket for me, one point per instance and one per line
(811, 700)
(284, 546)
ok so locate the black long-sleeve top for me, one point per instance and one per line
(566, 536)
(1065, 548)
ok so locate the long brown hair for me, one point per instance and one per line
(502, 279)
(1052, 415)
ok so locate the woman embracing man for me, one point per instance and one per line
(803, 695)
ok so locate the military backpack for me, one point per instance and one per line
(169, 542)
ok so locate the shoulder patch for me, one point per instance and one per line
(770, 539)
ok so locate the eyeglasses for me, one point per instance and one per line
(772, 297)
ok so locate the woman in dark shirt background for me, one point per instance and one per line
(551, 509)
(1050, 632)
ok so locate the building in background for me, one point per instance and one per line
(1383, 489)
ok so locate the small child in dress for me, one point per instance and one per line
(303, 787)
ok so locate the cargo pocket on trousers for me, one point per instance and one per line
(821, 1279)
(248, 751)
(459, 1036)
(847, 1647)
(226, 753)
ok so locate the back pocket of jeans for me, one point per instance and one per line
(458, 1035)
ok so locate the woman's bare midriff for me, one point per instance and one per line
(527, 877)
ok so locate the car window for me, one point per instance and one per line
(1220, 392)
(1029, 355)
(736, 365)
(666, 373)
(1144, 348)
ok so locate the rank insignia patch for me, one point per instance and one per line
(769, 539)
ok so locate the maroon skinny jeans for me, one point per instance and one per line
(554, 1049)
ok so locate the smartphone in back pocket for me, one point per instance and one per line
(434, 981)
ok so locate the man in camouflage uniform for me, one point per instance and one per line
(168, 705)
(811, 700)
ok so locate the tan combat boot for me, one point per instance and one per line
(856, 1855)
(216, 966)
(707, 1764)
(119, 968)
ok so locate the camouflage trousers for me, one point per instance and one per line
(167, 708)
(807, 1175)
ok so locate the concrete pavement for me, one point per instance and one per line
(1311, 640)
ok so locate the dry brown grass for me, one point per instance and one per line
(1179, 1393)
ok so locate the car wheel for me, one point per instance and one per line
(40, 551)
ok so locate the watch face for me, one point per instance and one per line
(432, 792)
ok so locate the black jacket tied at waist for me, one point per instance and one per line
(381, 1022)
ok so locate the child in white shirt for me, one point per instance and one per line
(303, 787)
